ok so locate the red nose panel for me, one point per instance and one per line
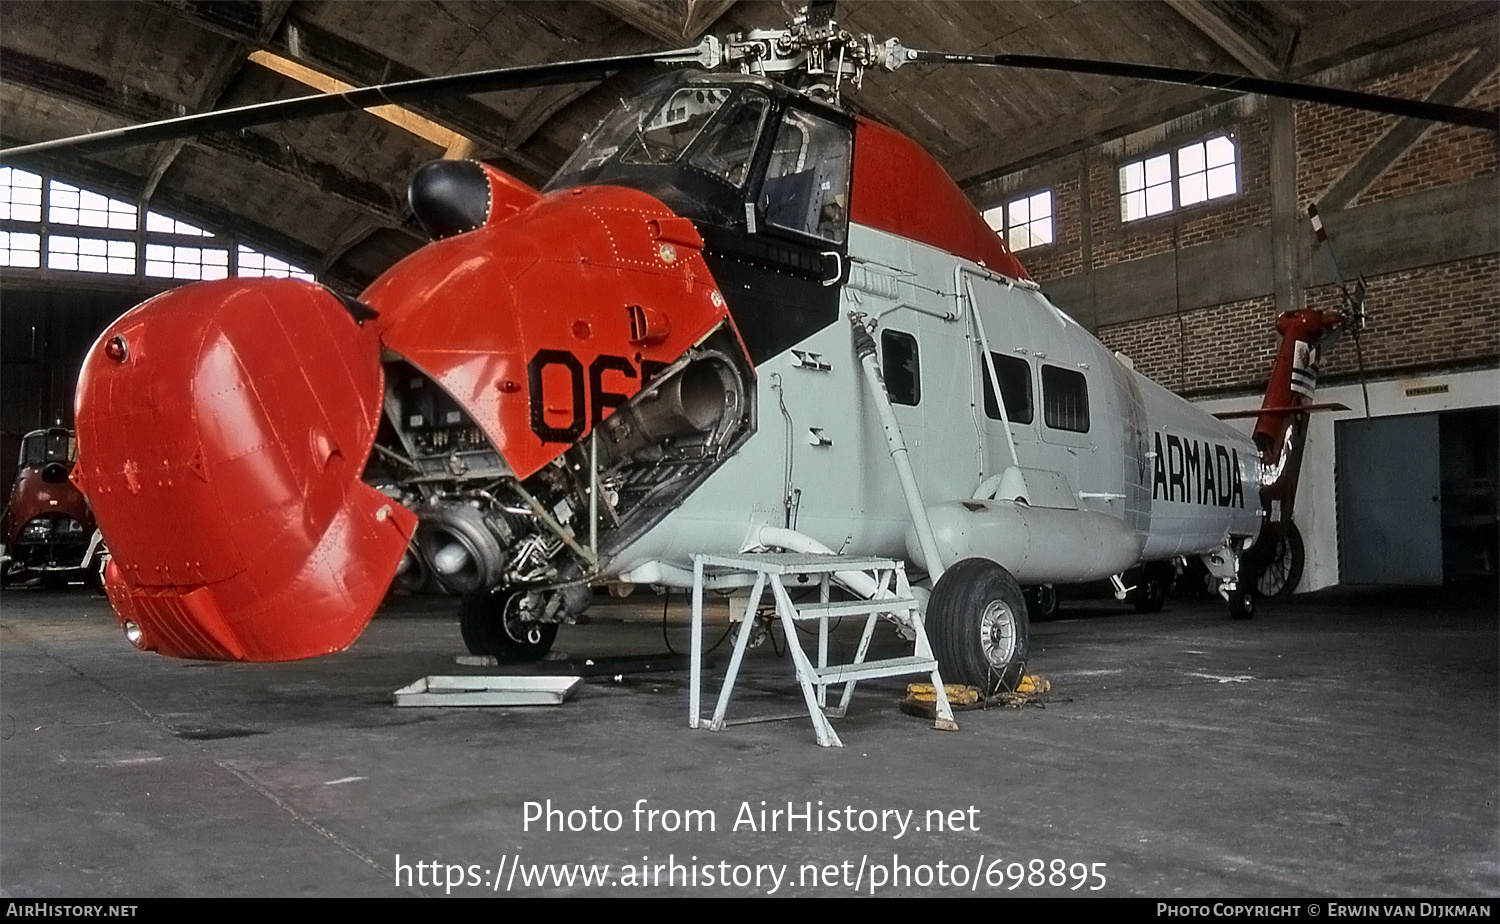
(221, 440)
(542, 323)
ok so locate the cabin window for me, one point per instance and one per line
(807, 182)
(728, 144)
(1014, 374)
(1199, 172)
(1065, 399)
(1024, 222)
(899, 366)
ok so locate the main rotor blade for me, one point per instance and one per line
(1285, 89)
(401, 92)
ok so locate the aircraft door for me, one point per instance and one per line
(1068, 398)
(782, 270)
(1008, 333)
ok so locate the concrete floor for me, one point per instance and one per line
(1342, 747)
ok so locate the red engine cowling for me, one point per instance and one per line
(222, 430)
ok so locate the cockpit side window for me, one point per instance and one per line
(675, 125)
(727, 146)
(807, 182)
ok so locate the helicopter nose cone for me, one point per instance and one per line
(222, 457)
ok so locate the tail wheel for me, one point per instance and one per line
(1242, 603)
(976, 618)
(1242, 598)
(491, 625)
(1284, 571)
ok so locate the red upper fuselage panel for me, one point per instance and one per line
(899, 188)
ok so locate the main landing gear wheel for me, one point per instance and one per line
(491, 626)
(977, 621)
(1284, 570)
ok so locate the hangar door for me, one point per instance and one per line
(1389, 500)
(1417, 498)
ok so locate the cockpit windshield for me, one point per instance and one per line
(719, 125)
(42, 446)
(727, 154)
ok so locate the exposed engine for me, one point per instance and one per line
(541, 540)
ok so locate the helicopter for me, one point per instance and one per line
(740, 316)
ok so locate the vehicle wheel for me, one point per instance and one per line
(1284, 570)
(976, 619)
(1042, 602)
(1151, 588)
(490, 627)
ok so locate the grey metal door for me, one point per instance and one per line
(1389, 500)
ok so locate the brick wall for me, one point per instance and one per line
(1445, 315)
(1423, 318)
(1223, 348)
(1331, 139)
(1445, 154)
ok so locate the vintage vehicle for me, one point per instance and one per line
(49, 530)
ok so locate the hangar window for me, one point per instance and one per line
(1199, 172)
(157, 222)
(1024, 222)
(19, 249)
(90, 255)
(51, 224)
(171, 262)
(1206, 171)
(20, 195)
(255, 263)
(1014, 374)
(69, 205)
(1065, 399)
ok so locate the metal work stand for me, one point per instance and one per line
(893, 598)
